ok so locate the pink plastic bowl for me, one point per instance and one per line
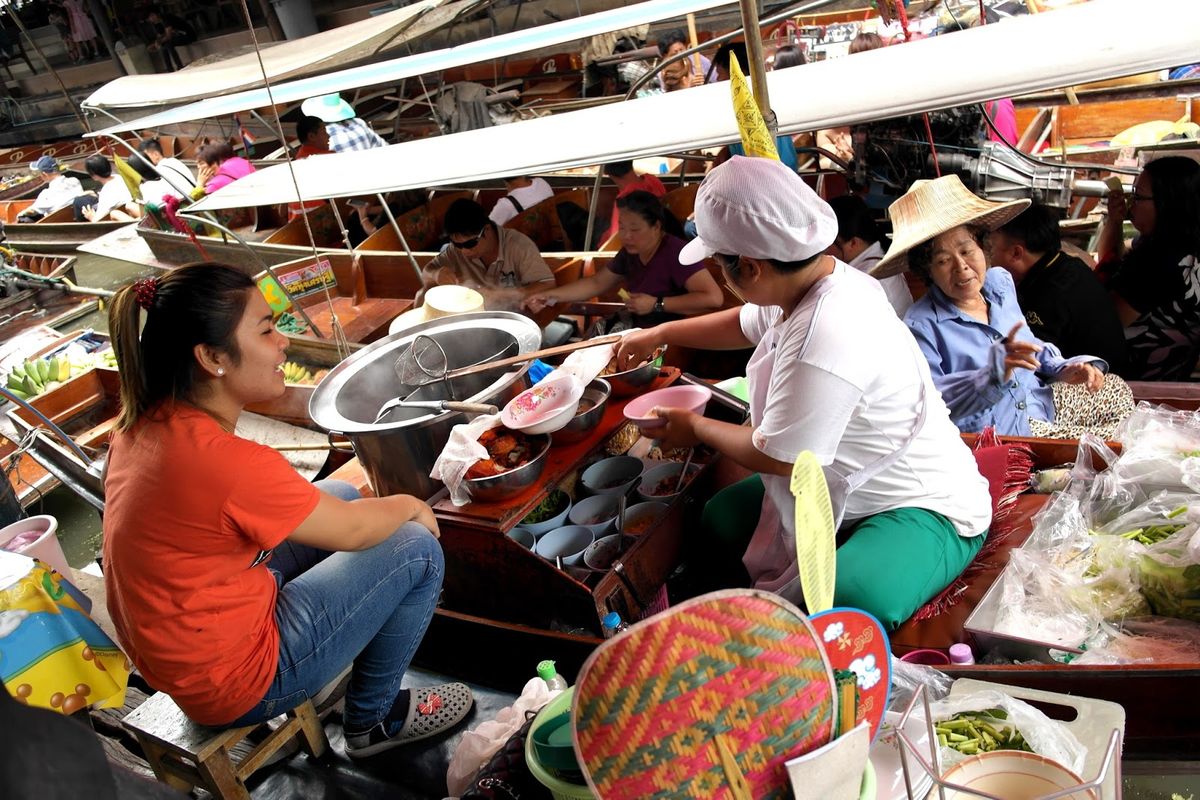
(640, 411)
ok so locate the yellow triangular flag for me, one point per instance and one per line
(128, 174)
(816, 548)
(756, 136)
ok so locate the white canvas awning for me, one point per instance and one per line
(312, 54)
(1062, 48)
(395, 70)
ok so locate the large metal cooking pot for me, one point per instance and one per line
(398, 453)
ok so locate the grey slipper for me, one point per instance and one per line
(431, 710)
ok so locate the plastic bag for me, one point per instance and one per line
(1161, 449)
(907, 678)
(1043, 735)
(1145, 640)
(1170, 575)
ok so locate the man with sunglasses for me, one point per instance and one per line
(485, 256)
(836, 373)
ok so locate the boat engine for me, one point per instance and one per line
(999, 173)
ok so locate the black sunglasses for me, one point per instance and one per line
(469, 243)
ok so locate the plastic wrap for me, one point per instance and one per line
(1161, 449)
(907, 678)
(1145, 640)
(1170, 574)
(1043, 735)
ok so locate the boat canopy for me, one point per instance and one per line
(395, 70)
(286, 60)
(1028, 54)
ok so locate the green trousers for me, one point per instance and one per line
(890, 565)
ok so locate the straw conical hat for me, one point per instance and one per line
(929, 209)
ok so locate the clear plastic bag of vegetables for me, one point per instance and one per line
(980, 722)
(1170, 574)
(1145, 640)
(1161, 449)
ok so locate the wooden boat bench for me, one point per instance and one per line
(184, 755)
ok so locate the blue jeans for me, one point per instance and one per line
(369, 608)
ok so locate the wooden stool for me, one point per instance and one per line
(184, 754)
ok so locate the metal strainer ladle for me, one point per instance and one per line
(423, 362)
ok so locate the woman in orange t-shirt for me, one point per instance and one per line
(237, 587)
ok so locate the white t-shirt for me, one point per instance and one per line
(176, 173)
(894, 286)
(112, 194)
(841, 377)
(528, 196)
(58, 194)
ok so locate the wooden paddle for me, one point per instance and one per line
(521, 359)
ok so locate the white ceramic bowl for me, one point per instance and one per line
(601, 554)
(638, 513)
(612, 475)
(1013, 775)
(523, 537)
(539, 529)
(654, 476)
(544, 408)
(596, 513)
(566, 543)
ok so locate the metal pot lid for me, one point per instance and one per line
(349, 397)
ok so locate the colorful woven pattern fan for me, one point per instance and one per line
(736, 671)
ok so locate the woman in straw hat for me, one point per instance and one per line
(990, 369)
(833, 373)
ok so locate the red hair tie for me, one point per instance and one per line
(146, 290)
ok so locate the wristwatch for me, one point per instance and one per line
(658, 306)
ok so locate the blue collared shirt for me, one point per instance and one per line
(966, 358)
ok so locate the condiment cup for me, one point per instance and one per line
(652, 477)
(652, 511)
(612, 475)
(601, 554)
(523, 537)
(601, 507)
(927, 656)
(567, 543)
(539, 529)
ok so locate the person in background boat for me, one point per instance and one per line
(56, 15)
(170, 31)
(523, 192)
(628, 180)
(346, 131)
(114, 202)
(720, 60)
(60, 192)
(234, 584)
(314, 141)
(859, 243)
(914, 508)
(83, 32)
(990, 369)
(790, 55)
(484, 256)
(153, 187)
(217, 167)
(172, 170)
(647, 267)
(1156, 283)
(682, 74)
(370, 215)
(1063, 300)
(838, 140)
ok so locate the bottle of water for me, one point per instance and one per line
(612, 624)
(549, 674)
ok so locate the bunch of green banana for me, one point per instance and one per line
(34, 377)
(294, 373)
(108, 359)
(288, 324)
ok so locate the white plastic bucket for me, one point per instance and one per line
(45, 547)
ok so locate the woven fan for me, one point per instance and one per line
(707, 699)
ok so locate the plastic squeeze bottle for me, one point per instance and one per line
(547, 672)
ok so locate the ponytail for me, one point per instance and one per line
(200, 304)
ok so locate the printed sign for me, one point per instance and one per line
(301, 282)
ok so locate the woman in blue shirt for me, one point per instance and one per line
(989, 367)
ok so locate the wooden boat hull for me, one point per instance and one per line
(56, 233)
(29, 307)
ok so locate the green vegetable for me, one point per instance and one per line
(973, 732)
(288, 324)
(549, 508)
